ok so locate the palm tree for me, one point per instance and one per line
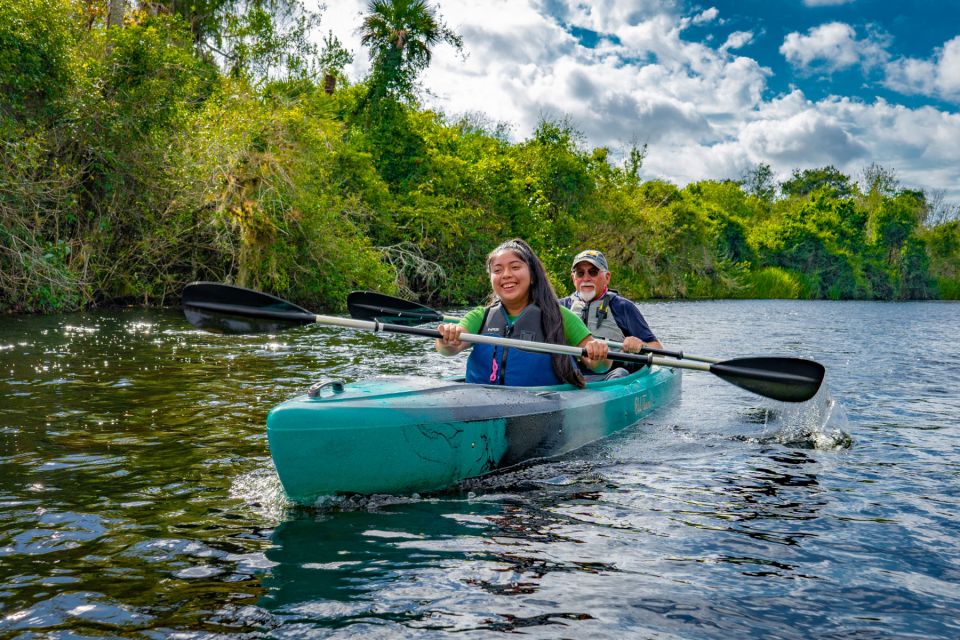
(401, 35)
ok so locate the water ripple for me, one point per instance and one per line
(137, 495)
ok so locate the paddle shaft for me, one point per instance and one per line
(721, 369)
(377, 307)
(226, 308)
(540, 347)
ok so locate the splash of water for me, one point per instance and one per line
(262, 492)
(818, 424)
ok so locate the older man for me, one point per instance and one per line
(605, 312)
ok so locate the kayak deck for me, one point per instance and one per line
(404, 434)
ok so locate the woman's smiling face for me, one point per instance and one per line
(510, 277)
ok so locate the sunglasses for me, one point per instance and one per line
(593, 271)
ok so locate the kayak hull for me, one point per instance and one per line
(403, 434)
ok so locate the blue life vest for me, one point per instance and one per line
(496, 364)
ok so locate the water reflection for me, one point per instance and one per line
(408, 561)
(351, 565)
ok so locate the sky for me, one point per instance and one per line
(712, 88)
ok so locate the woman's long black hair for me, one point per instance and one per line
(542, 294)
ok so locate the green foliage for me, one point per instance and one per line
(660, 242)
(34, 273)
(132, 112)
(726, 196)
(333, 57)
(894, 220)
(36, 67)
(133, 164)
(401, 35)
(557, 182)
(396, 146)
(634, 162)
(878, 180)
(259, 40)
(269, 39)
(657, 193)
(915, 282)
(807, 181)
(880, 279)
(731, 236)
(804, 240)
(759, 182)
(151, 78)
(943, 245)
(276, 209)
(205, 17)
(773, 283)
(948, 288)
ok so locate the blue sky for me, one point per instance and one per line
(713, 88)
(839, 47)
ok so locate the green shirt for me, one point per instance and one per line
(574, 331)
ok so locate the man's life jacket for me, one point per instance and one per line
(496, 364)
(598, 316)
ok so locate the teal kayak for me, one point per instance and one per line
(404, 434)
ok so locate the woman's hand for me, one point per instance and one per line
(596, 357)
(449, 342)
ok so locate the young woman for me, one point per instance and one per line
(524, 307)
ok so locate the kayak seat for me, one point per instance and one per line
(613, 374)
(616, 372)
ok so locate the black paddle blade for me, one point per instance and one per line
(224, 308)
(786, 379)
(369, 305)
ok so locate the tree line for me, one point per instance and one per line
(145, 147)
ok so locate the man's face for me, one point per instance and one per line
(589, 280)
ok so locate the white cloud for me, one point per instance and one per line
(938, 77)
(737, 40)
(832, 47)
(701, 108)
(705, 17)
(949, 68)
(602, 16)
(793, 132)
(708, 15)
(919, 143)
(807, 137)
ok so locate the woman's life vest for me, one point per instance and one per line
(496, 364)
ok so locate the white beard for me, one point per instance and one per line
(588, 296)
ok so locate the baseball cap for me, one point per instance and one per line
(592, 256)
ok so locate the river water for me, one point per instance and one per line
(138, 498)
